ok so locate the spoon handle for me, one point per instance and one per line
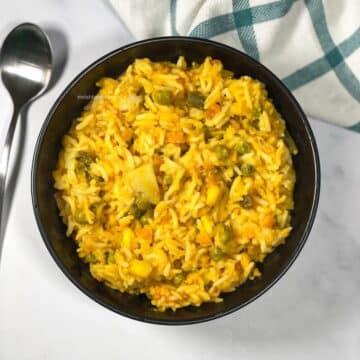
(4, 162)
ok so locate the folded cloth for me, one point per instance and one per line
(313, 46)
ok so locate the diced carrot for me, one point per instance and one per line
(212, 111)
(175, 137)
(127, 134)
(204, 239)
(268, 221)
(145, 232)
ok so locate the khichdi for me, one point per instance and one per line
(176, 180)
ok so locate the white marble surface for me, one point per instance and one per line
(312, 313)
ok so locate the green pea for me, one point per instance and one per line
(163, 97)
(256, 112)
(207, 134)
(247, 202)
(110, 258)
(80, 168)
(90, 258)
(135, 212)
(195, 99)
(178, 279)
(222, 152)
(85, 159)
(243, 147)
(98, 179)
(217, 134)
(255, 124)
(217, 254)
(142, 203)
(80, 217)
(224, 233)
(147, 217)
(168, 180)
(247, 169)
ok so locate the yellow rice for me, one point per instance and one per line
(214, 207)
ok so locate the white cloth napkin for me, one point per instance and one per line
(313, 46)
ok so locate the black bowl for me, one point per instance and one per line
(70, 104)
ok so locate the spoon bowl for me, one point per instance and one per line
(25, 63)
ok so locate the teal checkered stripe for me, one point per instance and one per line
(242, 19)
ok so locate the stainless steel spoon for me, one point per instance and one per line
(25, 64)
